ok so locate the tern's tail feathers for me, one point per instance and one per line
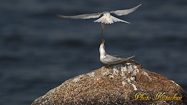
(125, 59)
(131, 57)
(110, 20)
(118, 20)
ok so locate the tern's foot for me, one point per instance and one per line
(107, 66)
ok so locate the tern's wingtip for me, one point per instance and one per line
(61, 16)
(57, 15)
(139, 5)
(133, 56)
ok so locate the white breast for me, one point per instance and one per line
(106, 18)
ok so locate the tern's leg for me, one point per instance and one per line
(107, 66)
(102, 26)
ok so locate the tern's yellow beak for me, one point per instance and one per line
(103, 41)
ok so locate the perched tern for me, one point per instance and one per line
(109, 59)
(104, 17)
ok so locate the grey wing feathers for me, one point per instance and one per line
(123, 59)
(130, 57)
(117, 56)
(112, 58)
(125, 12)
(83, 16)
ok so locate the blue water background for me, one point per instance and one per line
(38, 51)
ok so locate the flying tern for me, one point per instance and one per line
(104, 17)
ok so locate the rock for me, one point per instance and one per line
(127, 83)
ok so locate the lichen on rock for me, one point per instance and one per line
(114, 85)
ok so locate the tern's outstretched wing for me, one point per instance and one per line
(83, 16)
(125, 12)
